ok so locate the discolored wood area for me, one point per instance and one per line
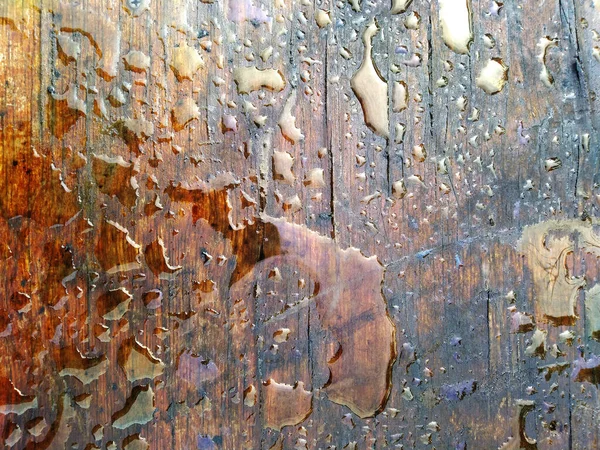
(299, 224)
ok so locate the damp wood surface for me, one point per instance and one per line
(299, 224)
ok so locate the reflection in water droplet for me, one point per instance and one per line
(455, 22)
(370, 87)
(493, 76)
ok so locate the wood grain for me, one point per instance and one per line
(298, 224)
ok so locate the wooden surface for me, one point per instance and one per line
(290, 224)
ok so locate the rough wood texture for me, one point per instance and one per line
(290, 224)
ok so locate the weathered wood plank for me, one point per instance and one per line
(299, 224)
